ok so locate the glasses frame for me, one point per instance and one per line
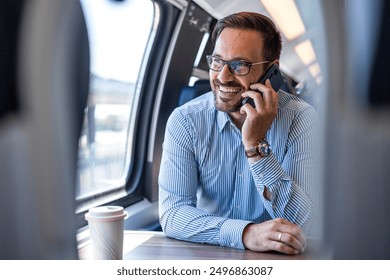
(210, 58)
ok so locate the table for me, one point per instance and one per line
(154, 245)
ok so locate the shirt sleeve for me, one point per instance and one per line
(178, 182)
(292, 182)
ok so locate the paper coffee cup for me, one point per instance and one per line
(106, 232)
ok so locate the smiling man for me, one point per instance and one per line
(236, 175)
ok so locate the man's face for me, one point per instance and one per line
(236, 44)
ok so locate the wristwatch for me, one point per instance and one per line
(262, 149)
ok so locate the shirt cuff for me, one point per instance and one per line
(267, 171)
(231, 233)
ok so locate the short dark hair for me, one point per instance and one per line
(253, 21)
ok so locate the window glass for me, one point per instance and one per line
(119, 33)
(198, 73)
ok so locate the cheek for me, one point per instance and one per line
(250, 80)
(212, 77)
(244, 83)
(255, 77)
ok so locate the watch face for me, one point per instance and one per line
(264, 148)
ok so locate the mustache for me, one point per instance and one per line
(227, 84)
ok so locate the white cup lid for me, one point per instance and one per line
(106, 214)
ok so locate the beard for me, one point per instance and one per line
(224, 105)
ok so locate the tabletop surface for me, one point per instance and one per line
(154, 245)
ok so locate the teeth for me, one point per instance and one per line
(229, 90)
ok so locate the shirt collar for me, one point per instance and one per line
(223, 119)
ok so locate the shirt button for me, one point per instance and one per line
(232, 244)
(261, 175)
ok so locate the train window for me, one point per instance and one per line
(197, 72)
(118, 36)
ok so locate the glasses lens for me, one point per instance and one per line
(239, 67)
(215, 63)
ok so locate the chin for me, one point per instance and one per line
(226, 107)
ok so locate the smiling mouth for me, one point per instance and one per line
(229, 90)
(226, 97)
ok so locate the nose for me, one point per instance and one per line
(225, 75)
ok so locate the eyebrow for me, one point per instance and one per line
(234, 59)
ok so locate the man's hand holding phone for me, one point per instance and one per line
(260, 104)
(272, 74)
(259, 118)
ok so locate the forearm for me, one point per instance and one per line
(282, 196)
(180, 219)
(290, 202)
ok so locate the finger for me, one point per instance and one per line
(246, 108)
(261, 87)
(283, 248)
(255, 96)
(294, 235)
(270, 96)
(291, 230)
(268, 83)
(291, 241)
(297, 233)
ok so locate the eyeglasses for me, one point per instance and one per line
(236, 67)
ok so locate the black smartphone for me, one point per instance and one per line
(274, 76)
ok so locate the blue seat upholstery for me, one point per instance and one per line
(190, 92)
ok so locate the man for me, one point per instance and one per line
(236, 175)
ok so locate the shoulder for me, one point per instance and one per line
(292, 104)
(201, 103)
(194, 110)
(198, 106)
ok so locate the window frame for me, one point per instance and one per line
(136, 188)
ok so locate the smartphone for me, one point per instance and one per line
(274, 76)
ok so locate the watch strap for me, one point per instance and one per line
(262, 149)
(252, 152)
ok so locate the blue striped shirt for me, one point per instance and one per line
(209, 192)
